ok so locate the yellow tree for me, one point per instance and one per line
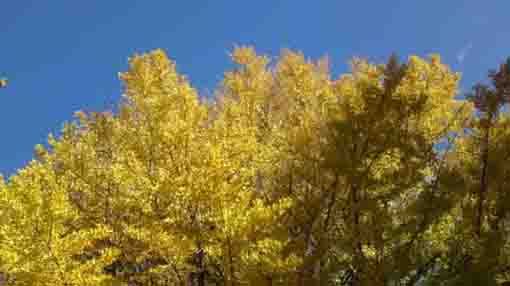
(164, 183)
(480, 236)
(393, 117)
(359, 151)
(288, 178)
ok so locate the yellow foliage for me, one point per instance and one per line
(289, 177)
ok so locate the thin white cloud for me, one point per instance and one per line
(463, 53)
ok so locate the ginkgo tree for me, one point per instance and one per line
(287, 177)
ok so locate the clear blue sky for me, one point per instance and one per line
(61, 55)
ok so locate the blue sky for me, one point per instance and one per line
(61, 56)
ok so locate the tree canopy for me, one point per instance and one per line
(382, 176)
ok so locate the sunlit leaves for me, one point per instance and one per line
(288, 176)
